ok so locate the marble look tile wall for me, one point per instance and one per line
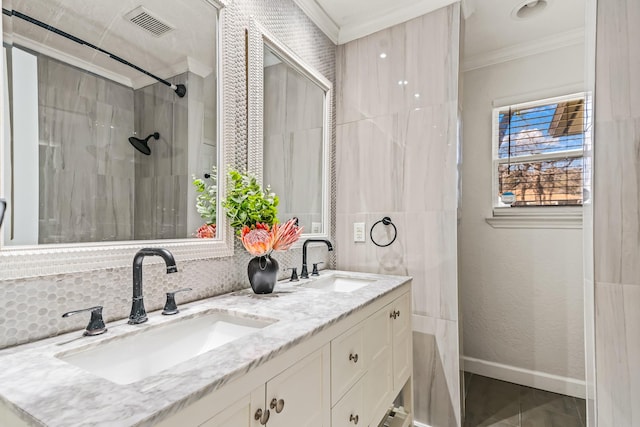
(86, 170)
(587, 217)
(161, 179)
(616, 223)
(396, 157)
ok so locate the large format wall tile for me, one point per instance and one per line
(86, 171)
(370, 166)
(618, 353)
(382, 73)
(428, 136)
(618, 60)
(368, 84)
(617, 192)
(436, 372)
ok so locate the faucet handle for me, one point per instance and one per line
(170, 306)
(96, 324)
(315, 269)
(294, 274)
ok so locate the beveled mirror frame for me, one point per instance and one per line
(257, 37)
(41, 260)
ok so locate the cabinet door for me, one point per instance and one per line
(236, 415)
(378, 381)
(299, 396)
(402, 340)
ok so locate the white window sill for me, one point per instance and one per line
(550, 217)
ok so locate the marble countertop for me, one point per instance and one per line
(44, 390)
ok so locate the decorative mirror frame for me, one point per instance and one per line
(40, 260)
(257, 37)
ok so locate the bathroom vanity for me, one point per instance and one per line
(332, 351)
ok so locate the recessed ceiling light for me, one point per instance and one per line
(416, 95)
(383, 55)
(528, 9)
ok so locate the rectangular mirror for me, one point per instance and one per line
(289, 130)
(111, 111)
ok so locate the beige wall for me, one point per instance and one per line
(396, 157)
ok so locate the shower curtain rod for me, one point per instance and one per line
(179, 89)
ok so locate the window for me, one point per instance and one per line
(538, 153)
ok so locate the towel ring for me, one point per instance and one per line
(385, 221)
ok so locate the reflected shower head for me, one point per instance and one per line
(142, 145)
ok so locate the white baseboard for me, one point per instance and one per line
(526, 377)
(419, 424)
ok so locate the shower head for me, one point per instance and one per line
(142, 144)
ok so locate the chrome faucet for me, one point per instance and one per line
(305, 272)
(138, 313)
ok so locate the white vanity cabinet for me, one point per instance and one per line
(370, 365)
(296, 397)
(347, 375)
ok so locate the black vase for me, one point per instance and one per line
(263, 273)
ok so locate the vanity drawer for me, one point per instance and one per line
(348, 412)
(347, 362)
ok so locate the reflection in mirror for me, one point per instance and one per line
(101, 143)
(289, 124)
(293, 141)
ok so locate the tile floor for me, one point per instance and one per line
(497, 403)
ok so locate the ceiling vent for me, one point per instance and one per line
(148, 22)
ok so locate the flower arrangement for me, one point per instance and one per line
(262, 239)
(206, 200)
(248, 204)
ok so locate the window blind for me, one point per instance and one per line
(538, 152)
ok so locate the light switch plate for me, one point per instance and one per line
(358, 232)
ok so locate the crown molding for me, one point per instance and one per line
(320, 18)
(371, 24)
(521, 50)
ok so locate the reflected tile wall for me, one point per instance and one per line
(86, 170)
(292, 154)
(616, 223)
(396, 157)
(162, 177)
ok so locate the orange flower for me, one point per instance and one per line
(285, 235)
(207, 231)
(257, 241)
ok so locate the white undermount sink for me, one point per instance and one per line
(339, 283)
(139, 355)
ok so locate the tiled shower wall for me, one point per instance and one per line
(616, 219)
(162, 178)
(30, 308)
(293, 112)
(86, 164)
(396, 157)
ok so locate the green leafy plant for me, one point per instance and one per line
(206, 200)
(247, 203)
